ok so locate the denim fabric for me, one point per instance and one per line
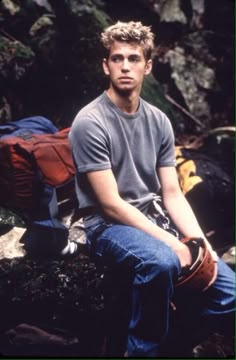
(153, 268)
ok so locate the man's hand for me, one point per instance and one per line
(184, 255)
(201, 274)
(209, 247)
(214, 257)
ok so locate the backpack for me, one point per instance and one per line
(30, 125)
(30, 161)
(35, 169)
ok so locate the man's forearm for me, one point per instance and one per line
(185, 220)
(183, 216)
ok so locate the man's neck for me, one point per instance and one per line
(126, 102)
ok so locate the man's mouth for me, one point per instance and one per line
(125, 78)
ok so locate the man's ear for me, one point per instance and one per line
(105, 67)
(148, 67)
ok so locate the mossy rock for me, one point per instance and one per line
(153, 92)
(15, 59)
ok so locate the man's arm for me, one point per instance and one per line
(105, 187)
(177, 206)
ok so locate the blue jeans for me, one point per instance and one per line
(153, 268)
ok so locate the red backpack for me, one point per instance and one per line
(26, 162)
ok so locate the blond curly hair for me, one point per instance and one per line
(131, 32)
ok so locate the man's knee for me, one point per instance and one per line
(163, 264)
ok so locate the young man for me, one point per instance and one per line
(123, 150)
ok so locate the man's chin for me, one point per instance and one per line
(124, 90)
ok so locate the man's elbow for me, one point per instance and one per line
(112, 208)
(173, 193)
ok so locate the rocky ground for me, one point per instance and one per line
(60, 307)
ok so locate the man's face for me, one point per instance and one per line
(126, 66)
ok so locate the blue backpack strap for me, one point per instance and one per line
(45, 234)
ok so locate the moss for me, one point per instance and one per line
(15, 49)
(15, 59)
(102, 18)
(153, 93)
(22, 51)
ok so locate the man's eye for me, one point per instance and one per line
(134, 59)
(115, 59)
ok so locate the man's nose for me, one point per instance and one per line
(125, 65)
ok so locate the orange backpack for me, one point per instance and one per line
(27, 162)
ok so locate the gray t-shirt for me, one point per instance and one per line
(132, 146)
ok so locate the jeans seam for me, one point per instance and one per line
(124, 249)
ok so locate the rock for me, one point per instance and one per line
(5, 110)
(229, 257)
(190, 76)
(153, 93)
(171, 12)
(25, 334)
(209, 190)
(43, 22)
(10, 246)
(10, 6)
(47, 295)
(44, 3)
(15, 59)
(217, 143)
(198, 8)
(216, 346)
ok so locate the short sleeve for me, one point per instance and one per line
(89, 142)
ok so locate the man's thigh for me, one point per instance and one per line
(118, 244)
